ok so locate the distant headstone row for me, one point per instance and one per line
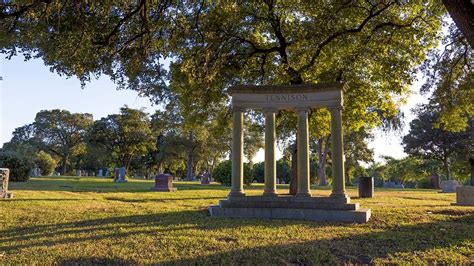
(4, 176)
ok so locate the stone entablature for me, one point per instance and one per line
(288, 96)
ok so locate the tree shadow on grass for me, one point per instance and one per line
(95, 261)
(101, 186)
(356, 248)
(160, 199)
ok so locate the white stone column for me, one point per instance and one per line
(303, 153)
(337, 146)
(270, 147)
(237, 153)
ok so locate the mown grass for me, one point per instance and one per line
(68, 220)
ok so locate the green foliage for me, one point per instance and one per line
(283, 170)
(424, 139)
(19, 166)
(223, 173)
(45, 162)
(62, 133)
(126, 135)
(404, 170)
(259, 172)
(356, 151)
(450, 81)
(248, 174)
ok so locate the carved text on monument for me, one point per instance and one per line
(286, 97)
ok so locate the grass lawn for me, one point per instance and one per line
(70, 220)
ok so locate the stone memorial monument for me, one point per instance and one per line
(120, 175)
(99, 173)
(4, 176)
(164, 183)
(366, 187)
(78, 172)
(303, 206)
(464, 196)
(449, 186)
(205, 178)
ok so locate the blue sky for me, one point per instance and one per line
(29, 87)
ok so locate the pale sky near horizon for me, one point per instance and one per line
(29, 87)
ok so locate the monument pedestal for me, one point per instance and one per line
(464, 196)
(290, 207)
(6, 195)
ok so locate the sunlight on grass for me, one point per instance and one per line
(74, 220)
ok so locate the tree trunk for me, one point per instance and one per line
(190, 160)
(294, 170)
(462, 12)
(471, 160)
(64, 165)
(160, 167)
(322, 161)
(446, 167)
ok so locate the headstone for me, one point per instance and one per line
(366, 187)
(434, 180)
(107, 173)
(99, 174)
(465, 196)
(205, 178)
(78, 172)
(120, 175)
(4, 176)
(164, 183)
(449, 186)
(35, 172)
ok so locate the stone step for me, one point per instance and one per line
(288, 204)
(349, 216)
(291, 198)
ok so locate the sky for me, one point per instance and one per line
(29, 87)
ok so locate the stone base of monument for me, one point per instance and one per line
(464, 196)
(6, 195)
(449, 186)
(290, 207)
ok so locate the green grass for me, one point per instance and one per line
(69, 220)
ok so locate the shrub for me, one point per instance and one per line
(223, 173)
(19, 166)
(45, 163)
(259, 172)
